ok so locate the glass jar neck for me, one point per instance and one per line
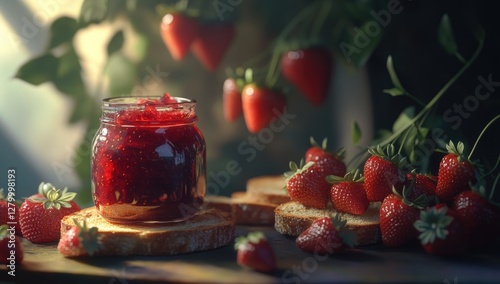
(148, 111)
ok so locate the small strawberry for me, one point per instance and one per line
(212, 43)
(397, 216)
(40, 214)
(382, 171)
(423, 184)
(456, 173)
(441, 231)
(330, 163)
(178, 31)
(480, 218)
(80, 241)
(10, 247)
(348, 193)
(309, 70)
(261, 106)
(9, 212)
(231, 100)
(254, 251)
(327, 235)
(306, 185)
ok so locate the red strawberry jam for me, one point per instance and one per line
(148, 160)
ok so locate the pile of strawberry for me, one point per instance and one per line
(445, 212)
(38, 220)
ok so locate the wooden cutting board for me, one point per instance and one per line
(367, 264)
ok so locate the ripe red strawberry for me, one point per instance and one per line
(441, 231)
(40, 214)
(326, 235)
(306, 185)
(456, 173)
(261, 106)
(79, 241)
(397, 216)
(480, 218)
(212, 43)
(231, 100)
(309, 70)
(178, 31)
(11, 249)
(382, 171)
(423, 184)
(348, 194)
(330, 163)
(9, 212)
(254, 251)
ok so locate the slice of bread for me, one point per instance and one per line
(270, 189)
(245, 209)
(292, 218)
(208, 229)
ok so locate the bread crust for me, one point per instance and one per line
(292, 218)
(245, 209)
(271, 189)
(209, 229)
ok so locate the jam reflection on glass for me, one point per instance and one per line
(148, 160)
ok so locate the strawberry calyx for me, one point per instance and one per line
(89, 238)
(352, 176)
(457, 150)
(388, 153)
(3, 231)
(297, 169)
(252, 237)
(347, 236)
(433, 224)
(52, 197)
(422, 201)
(340, 153)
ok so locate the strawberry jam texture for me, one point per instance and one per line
(148, 162)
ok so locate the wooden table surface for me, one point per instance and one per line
(367, 264)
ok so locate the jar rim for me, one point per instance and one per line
(132, 101)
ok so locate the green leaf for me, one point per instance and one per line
(404, 118)
(68, 62)
(38, 70)
(71, 84)
(121, 73)
(446, 37)
(62, 31)
(93, 12)
(115, 43)
(394, 76)
(355, 132)
(394, 92)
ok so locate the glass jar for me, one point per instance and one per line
(148, 160)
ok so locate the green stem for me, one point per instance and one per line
(481, 135)
(414, 98)
(494, 187)
(460, 57)
(404, 139)
(493, 169)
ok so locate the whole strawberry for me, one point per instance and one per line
(329, 163)
(327, 235)
(382, 171)
(212, 42)
(9, 212)
(231, 100)
(397, 216)
(40, 214)
(260, 106)
(348, 193)
(456, 173)
(480, 218)
(9, 245)
(441, 231)
(422, 184)
(254, 251)
(307, 185)
(178, 31)
(79, 241)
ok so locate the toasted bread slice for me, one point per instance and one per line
(208, 229)
(292, 218)
(269, 189)
(245, 209)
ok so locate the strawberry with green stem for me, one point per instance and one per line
(306, 185)
(331, 163)
(40, 215)
(327, 235)
(347, 193)
(261, 105)
(441, 231)
(422, 184)
(80, 240)
(231, 100)
(254, 251)
(178, 32)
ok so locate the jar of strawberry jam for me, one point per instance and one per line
(148, 160)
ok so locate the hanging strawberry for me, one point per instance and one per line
(231, 100)
(178, 31)
(212, 43)
(309, 70)
(261, 105)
